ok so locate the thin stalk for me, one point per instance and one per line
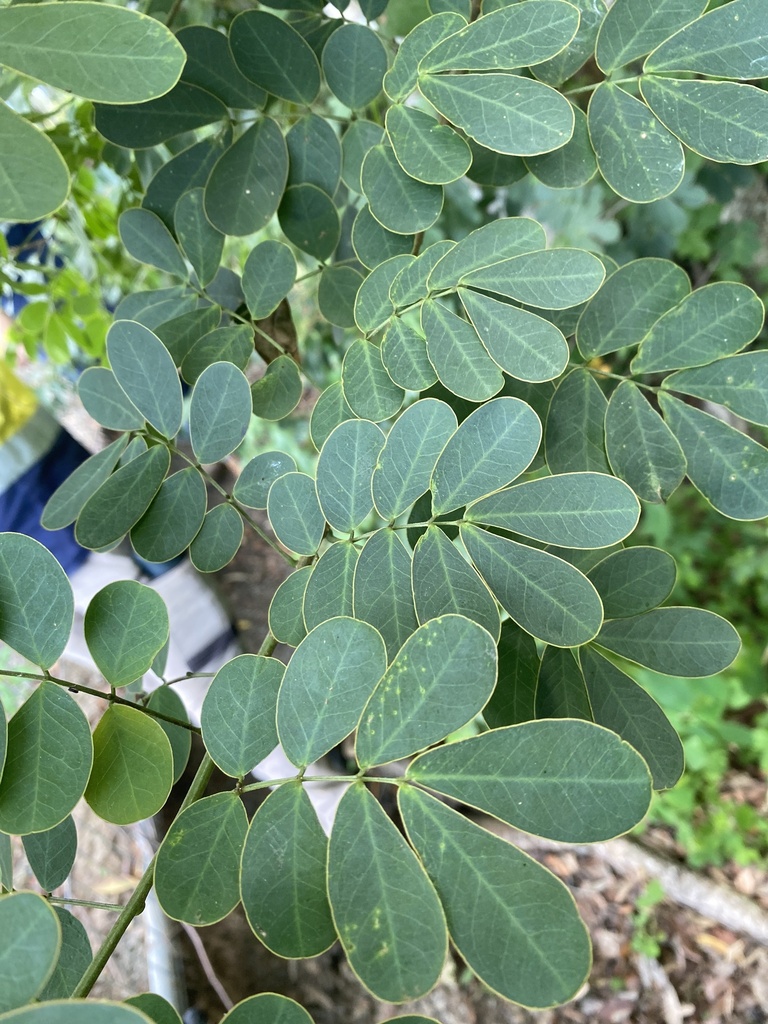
(594, 85)
(265, 784)
(62, 901)
(618, 376)
(135, 904)
(111, 697)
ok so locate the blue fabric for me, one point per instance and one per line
(22, 504)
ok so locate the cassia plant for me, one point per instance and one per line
(502, 410)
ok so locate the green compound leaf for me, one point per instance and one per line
(286, 620)
(187, 170)
(629, 304)
(367, 387)
(513, 37)
(619, 704)
(309, 219)
(373, 305)
(545, 595)
(354, 64)
(200, 241)
(326, 686)
(740, 383)
(633, 28)
(74, 958)
(600, 786)
(219, 539)
(197, 871)
(224, 344)
(505, 113)
(410, 285)
(575, 428)
(165, 700)
(145, 125)
(573, 164)
(314, 153)
(480, 877)
(398, 202)
(51, 854)
(727, 43)
(439, 680)
(499, 240)
(98, 53)
(565, 64)
(106, 401)
(238, 714)
(425, 149)
(77, 1012)
(524, 345)
(268, 275)
(571, 510)
(330, 410)
(336, 294)
(404, 355)
(387, 914)
(154, 308)
(641, 448)
(148, 240)
(373, 243)
(155, 1007)
(181, 334)
(382, 589)
(444, 583)
(512, 702)
(295, 513)
(258, 475)
(267, 1009)
(405, 465)
(210, 66)
(271, 53)
(279, 391)
(31, 943)
(402, 78)
(676, 641)
(258, 162)
(126, 625)
(329, 590)
(36, 603)
(560, 690)
(344, 473)
(360, 137)
(729, 468)
(220, 412)
(68, 500)
(494, 169)
(47, 764)
(723, 121)
(132, 766)
(459, 358)
(34, 180)
(493, 446)
(145, 371)
(633, 580)
(637, 156)
(282, 882)
(548, 279)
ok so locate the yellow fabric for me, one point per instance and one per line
(17, 403)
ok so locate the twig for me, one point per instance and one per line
(208, 969)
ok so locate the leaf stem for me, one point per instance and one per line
(63, 901)
(618, 376)
(111, 697)
(594, 85)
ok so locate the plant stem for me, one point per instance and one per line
(594, 85)
(135, 904)
(111, 697)
(265, 784)
(618, 376)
